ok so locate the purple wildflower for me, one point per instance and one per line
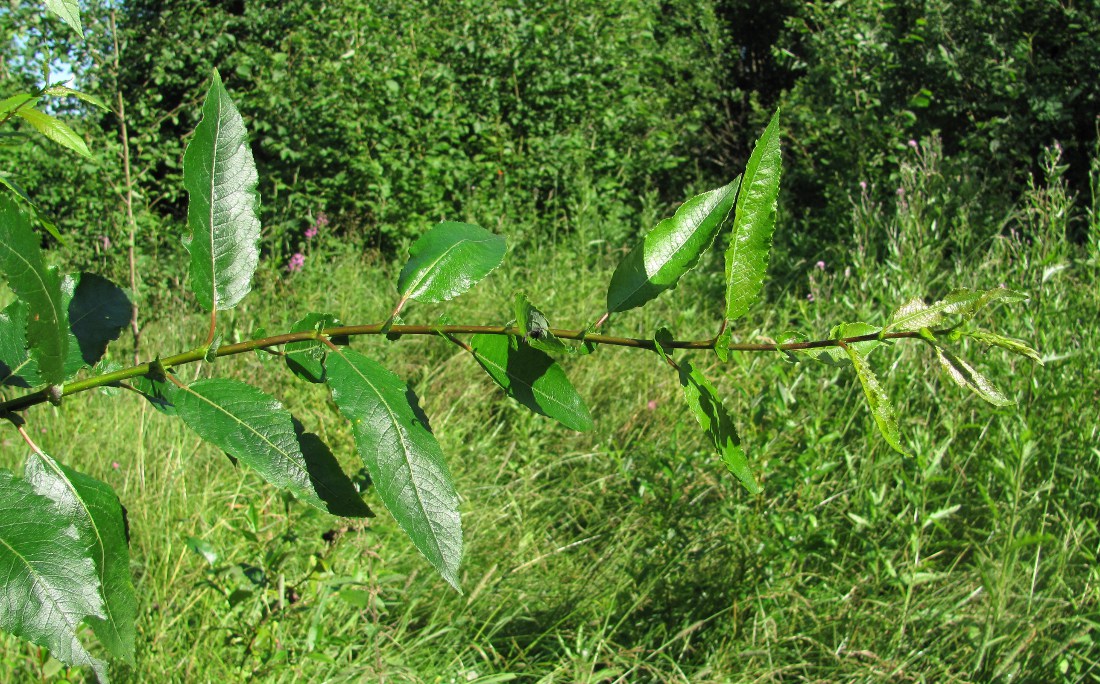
(863, 185)
(311, 232)
(913, 144)
(296, 262)
(820, 265)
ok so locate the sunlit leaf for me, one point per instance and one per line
(55, 129)
(836, 356)
(66, 91)
(48, 581)
(19, 192)
(223, 205)
(23, 264)
(96, 513)
(707, 407)
(22, 99)
(254, 428)
(914, 314)
(753, 223)
(448, 260)
(532, 378)
(69, 11)
(1014, 346)
(403, 458)
(877, 398)
(670, 250)
(964, 375)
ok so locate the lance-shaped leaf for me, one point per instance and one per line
(69, 11)
(670, 250)
(55, 130)
(1014, 346)
(448, 260)
(22, 263)
(753, 223)
(223, 205)
(254, 428)
(66, 91)
(536, 328)
(708, 409)
(533, 378)
(403, 458)
(96, 513)
(966, 376)
(835, 355)
(48, 582)
(307, 359)
(877, 399)
(20, 100)
(37, 211)
(915, 314)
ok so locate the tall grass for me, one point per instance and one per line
(628, 554)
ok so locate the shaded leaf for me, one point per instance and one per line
(307, 359)
(703, 401)
(532, 378)
(448, 260)
(877, 398)
(55, 129)
(95, 511)
(223, 204)
(836, 356)
(158, 391)
(22, 263)
(98, 313)
(670, 250)
(753, 223)
(401, 454)
(253, 427)
(18, 191)
(48, 582)
(966, 376)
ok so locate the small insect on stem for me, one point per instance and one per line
(535, 334)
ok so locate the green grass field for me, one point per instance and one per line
(629, 554)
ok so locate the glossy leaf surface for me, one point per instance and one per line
(254, 428)
(532, 378)
(448, 260)
(223, 204)
(1014, 346)
(24, 267)
(403, 458)
(66, 91)
(48, 582)
(877, 398)
(307, 359)
(707, 407)
(670, 250)
(96, 513)
(753, 223)
(55, 129)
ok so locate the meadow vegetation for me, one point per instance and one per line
(626, 554)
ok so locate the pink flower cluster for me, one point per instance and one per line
(318, 224)
(297, 261)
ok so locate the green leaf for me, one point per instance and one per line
(915, 314)
(532, 378)
(403, 458)
(69, 11)
(753, 223)
(17, 190)
(307, 359)
(254, 428)
(448, 260)
(966, 376)
(97, 515)
(223, 205)
(10, 103)
(1014, 346)
(703, 401)
(670, 250)
(836, 356)
(48, 582)
(877, 398)
(66, 91)
(159, 392)
(55, 130)
(22, 263)
(536, 328)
